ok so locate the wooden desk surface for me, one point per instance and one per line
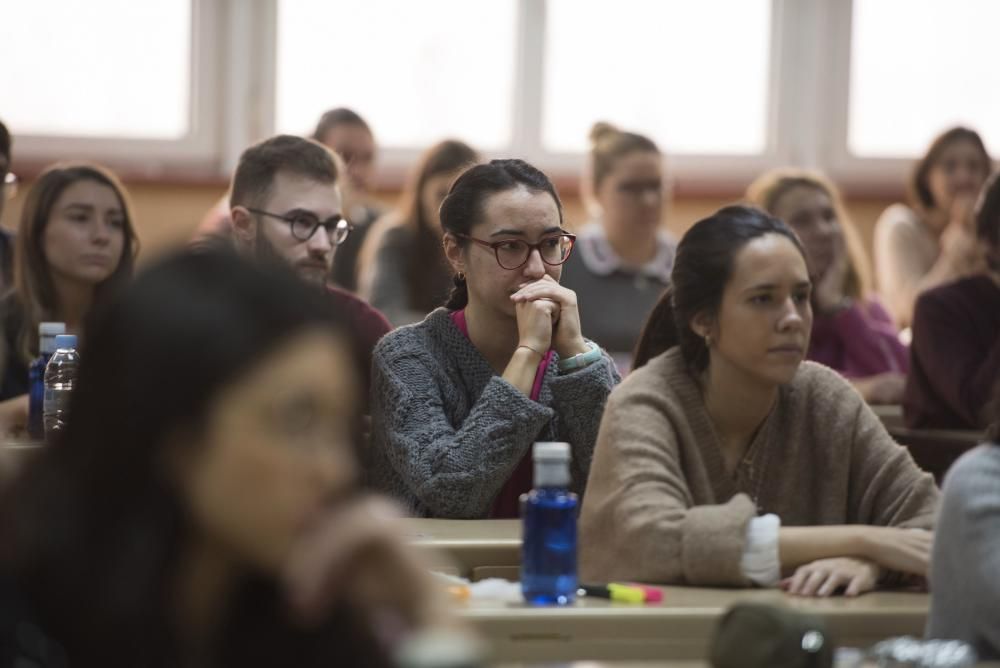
(677, 630)
(468, 545)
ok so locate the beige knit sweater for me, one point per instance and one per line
(660, 507)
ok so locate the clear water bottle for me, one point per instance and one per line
(548, 565)
(47, 332)
(60, 378)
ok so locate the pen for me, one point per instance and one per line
(623, 593)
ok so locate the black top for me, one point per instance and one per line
(955, 355)
(22, 641)
(14, 381)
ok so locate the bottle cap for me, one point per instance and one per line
(51, 328)
(66, 341)
(551, 451)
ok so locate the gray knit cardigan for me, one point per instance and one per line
(448, 431)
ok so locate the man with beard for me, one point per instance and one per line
(286, 206)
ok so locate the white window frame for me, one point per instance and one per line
(233, 90)
(194, 155)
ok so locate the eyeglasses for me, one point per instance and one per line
(305, 224)
(514, 253)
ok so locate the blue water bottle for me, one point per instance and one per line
(47, 332)
(548, 564)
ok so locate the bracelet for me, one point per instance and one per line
(531, 349)
(582, 359)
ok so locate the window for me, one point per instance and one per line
(693, 75)
(417, 71)
(110, 68)
(919, 67)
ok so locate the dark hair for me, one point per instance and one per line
(702, 268)
(4, 146)
(427, 261)
(334, 117)
(262, 162)
(463, 208)
(920, 191)
(608, 144)
(34, 290)
(93, 529)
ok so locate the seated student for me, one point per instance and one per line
(851, 331)
(6, 238)
(965, 590)
(727, 460)
(348, 135)
(622, 259)
(285, 205)
(403, 271)
(458, 399)
(956, 338)
(76, 245)
(202, 506)
(931, 241)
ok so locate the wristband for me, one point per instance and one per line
(581, 360)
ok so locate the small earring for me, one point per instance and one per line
(708, 340)
(461, 275)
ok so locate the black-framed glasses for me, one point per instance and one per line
(305, 224)
(514, 253)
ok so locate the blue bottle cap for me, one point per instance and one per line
(66, 341)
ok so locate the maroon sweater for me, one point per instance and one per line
(955, 355)
(367, 324)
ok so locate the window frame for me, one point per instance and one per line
(196, 154)
(233, 87)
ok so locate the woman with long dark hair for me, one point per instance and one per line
(75, 247)
(201, 507)
(403, 271)
(458, 399)
(728, 460)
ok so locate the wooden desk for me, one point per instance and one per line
(474, 548)
(678, 630)
(891, 415)
(935, 450)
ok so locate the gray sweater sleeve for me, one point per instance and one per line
(579, 398)
(388, 283)
(966, 559)
(455, 471)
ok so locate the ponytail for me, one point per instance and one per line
(459, 297)
(659, 333)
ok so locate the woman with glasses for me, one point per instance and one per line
(623, 258)
(458, 399)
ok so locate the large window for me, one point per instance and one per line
(694, 75)
(418, 71)
(918, 67)
(99, 68)
(727, 87)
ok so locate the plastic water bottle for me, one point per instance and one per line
(548, 565)
(60, 378)
(47, 332)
